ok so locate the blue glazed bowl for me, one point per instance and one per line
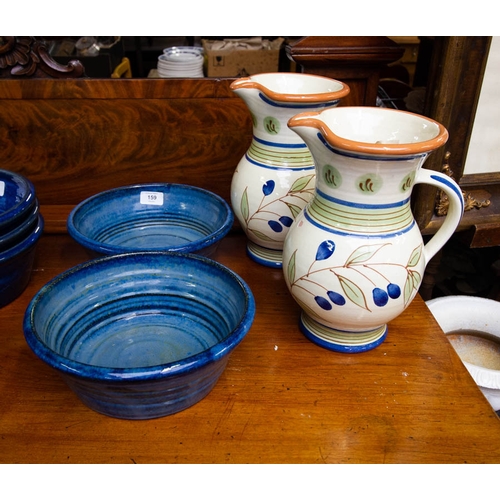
(22, 230)
(140, 335)
(16, 265)
(17, 198)
(151, 217)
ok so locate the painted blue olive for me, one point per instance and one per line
(393, 290)
(323, 303)
(286, 221)
(268, 187)
(275, 226)
(380, 297)
(325, 250)
(336, 298)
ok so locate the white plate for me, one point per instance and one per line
(463, 312)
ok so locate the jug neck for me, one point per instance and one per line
(363, 179)
(270, 117)
(274, 98)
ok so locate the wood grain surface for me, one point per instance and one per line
(82, 137)
(281, 399)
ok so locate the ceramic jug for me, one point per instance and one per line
(354, 258)
(275, 178)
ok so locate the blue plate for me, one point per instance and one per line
(151, 217)
(140, 335)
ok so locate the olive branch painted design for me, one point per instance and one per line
(361, 261)
(268, 210)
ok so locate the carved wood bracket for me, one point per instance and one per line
(442, 201)
(24, 57)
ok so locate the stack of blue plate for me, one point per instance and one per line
(21, 226)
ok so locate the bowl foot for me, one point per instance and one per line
(265, 256)
(340, 340)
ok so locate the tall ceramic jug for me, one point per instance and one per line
(275, 178)
(354, 258)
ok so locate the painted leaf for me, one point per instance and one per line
(364, 253)
(325, 250)
(301, 183)
(291, 268)
(408, 288)
(415, 256)
(244, 205)
(353, 292)
(261, 235)
(417, 278)
(294, 209)
(411, 285)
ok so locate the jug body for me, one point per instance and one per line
(275, 178)
(354, 258)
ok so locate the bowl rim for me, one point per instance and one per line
(26, 243)
(108, 249)
(20, 229)
(24, 203)
(155, 372)
(484, 377)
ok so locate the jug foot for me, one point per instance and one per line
(340, 340)
(265, 256)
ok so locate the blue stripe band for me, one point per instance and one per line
(363, 205)
(301, 145)
(273, 167)
(369, 156)
(297, 105)
(451, 186)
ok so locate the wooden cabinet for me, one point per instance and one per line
(355, 60)
(410, 44)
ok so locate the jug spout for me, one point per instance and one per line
(295, 88)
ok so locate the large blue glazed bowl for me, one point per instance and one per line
(151, 217)
(17, 198)
(16, 264)
(140, 335)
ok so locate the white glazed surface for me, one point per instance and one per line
(291, 83)
(371, 126)
(461, 312)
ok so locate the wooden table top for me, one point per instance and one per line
(282, 399)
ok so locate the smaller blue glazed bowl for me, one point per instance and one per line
(21, 231)
(17, 198)
(16, 265)
(140, 335)
(151, 217)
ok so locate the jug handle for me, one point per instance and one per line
(455, 209)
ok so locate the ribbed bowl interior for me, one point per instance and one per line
(143, 314)
(188, 220)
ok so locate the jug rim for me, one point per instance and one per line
(312, 119)
(248, 82)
